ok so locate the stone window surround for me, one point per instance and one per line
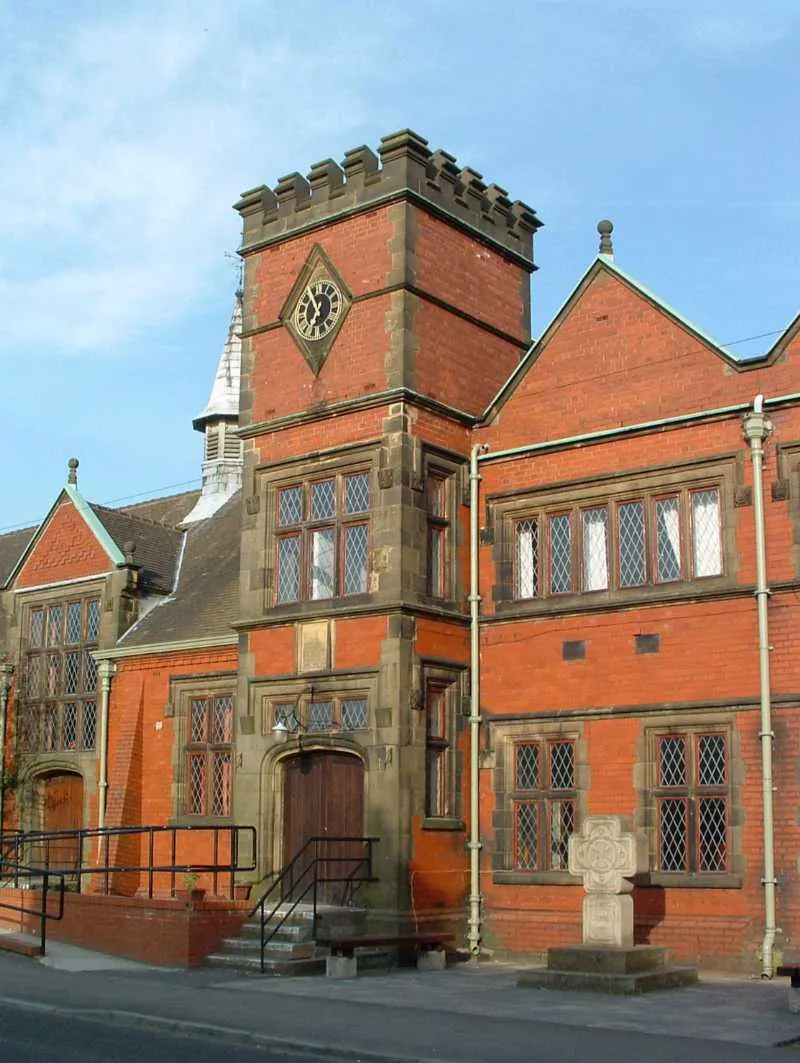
(505, 737)
(646, 776)
(182, 691)
(787, 488)
(455, 679)
(263, 693)
(82, 590)
(270, 477)
(504, 510)
(443, 465)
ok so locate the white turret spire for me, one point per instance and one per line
(222, 448)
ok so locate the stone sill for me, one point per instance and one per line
(445, 823)
(688, 881)
(535, 878)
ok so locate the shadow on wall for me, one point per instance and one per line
(649, 907)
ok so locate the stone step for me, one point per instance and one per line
(247, 946)
(288, 932)
(251, 964)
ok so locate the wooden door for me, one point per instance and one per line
(62, 810)
(323, 798)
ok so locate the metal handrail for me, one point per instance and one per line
(43, 910)
(291, 891)
(25, 840)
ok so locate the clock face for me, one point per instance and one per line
(317, 310)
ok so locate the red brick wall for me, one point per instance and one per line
(616, 359)
(171, 933)
(359, 249)
(66, 549)
(141, 743)
(457, 360)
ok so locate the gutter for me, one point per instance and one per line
(608, 434)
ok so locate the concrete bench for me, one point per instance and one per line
(429, 948)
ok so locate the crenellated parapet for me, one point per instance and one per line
(404, 166)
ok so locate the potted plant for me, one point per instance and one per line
(193, 892)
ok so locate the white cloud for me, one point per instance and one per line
(132, 133)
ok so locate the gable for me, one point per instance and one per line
(616, 355)
(65, 548)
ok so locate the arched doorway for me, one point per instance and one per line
(323, 797)
(60, 801)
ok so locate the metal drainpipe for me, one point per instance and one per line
(106, 670)
(6, 671)
(474, 844)
(756, 429)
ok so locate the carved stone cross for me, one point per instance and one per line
(606, 856)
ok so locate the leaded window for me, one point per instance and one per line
(621, 544)
(439, 775)
(692, 800)
(322, 531)
(544, 804)
(439, 520)
(209, 755)
(319, 715)
(57, 711)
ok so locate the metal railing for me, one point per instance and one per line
(74, 854)
(47, 882)
(321, 861)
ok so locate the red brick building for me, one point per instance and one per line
(612, 663)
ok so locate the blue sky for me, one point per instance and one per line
(128, 130)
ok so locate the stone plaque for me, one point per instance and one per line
(314, 646)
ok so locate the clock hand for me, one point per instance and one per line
(316, 306)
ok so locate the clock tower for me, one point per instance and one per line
(386, 301)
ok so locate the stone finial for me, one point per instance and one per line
(260, 200)
(360, 162)
(498, 202)
(292, 191)
(72, 475)
(129, 550)
(442, 167)
(325, 178)
(405, 143)
(606, 228)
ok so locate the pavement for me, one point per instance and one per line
(468, 1012)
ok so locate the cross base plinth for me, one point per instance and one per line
(638, 969)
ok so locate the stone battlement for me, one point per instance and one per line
(404, 165)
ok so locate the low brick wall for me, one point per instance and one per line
(10, 919)
(171, 932)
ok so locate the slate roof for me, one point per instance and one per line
(169, 510)
(157, 546)
(205, 601)
(12, 544)
(151, 525)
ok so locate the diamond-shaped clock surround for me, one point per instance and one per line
(317, 267)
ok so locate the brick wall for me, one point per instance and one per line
(171, 933)
(66, 549)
